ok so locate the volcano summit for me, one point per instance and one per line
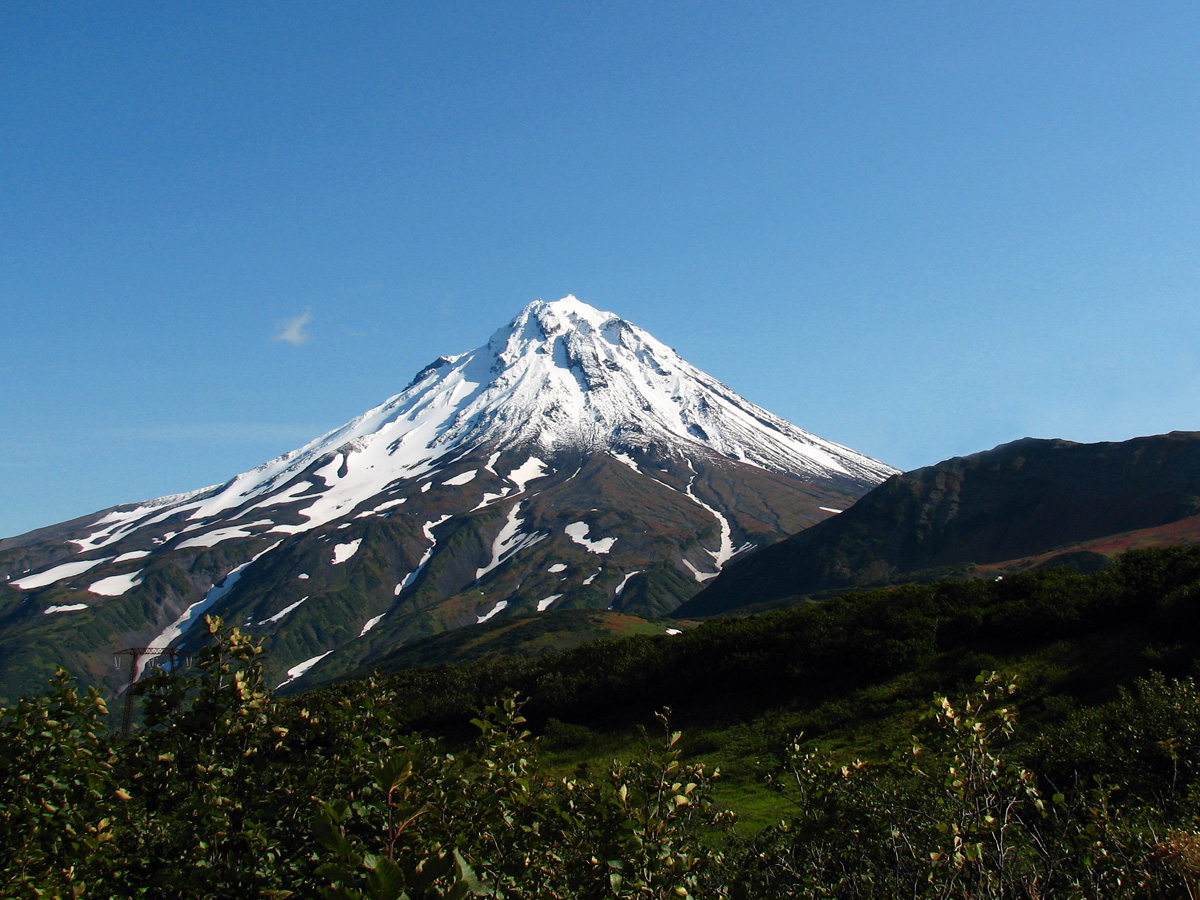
(573, 461)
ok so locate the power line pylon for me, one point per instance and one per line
(136, 653)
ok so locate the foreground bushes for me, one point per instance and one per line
(957, 814)
(228, 792)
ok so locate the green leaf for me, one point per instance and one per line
(467, 876)
(386, 880)
(394, 773)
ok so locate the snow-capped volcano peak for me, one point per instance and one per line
(572, 460)
(562, 375)
(541, 321)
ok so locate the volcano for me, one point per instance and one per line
(573, 461)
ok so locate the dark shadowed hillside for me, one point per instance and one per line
(1018, 500)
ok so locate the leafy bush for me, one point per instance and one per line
(230, 792)
(490, 824)
(59, 796)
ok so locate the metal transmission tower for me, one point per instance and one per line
(137, 653)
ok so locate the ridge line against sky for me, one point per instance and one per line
(916, 230)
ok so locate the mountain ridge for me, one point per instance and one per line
(1019, 499)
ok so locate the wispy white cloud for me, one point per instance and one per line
(293, 330)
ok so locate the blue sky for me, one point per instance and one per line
(916, 229)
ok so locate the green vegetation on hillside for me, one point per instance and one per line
(229, 791)
(1074, 638)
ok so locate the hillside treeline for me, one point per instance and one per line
(1095, 632)
(226, 790)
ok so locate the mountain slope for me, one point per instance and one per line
(573, 461)
(1017, 500)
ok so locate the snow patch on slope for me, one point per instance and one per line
(698, 575)
(193, 613)
(578, 532)
(343, 552)
(533, 468)
(502, 605)
(490, 498)
(116, 585)
(627, 460)
(427, 529)
(58, 573)
(371, 623)
(216, 536)
(301, 668)
(135, 554)
(624, 581)
(509, 541)
(283, 612)
(725, 551)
